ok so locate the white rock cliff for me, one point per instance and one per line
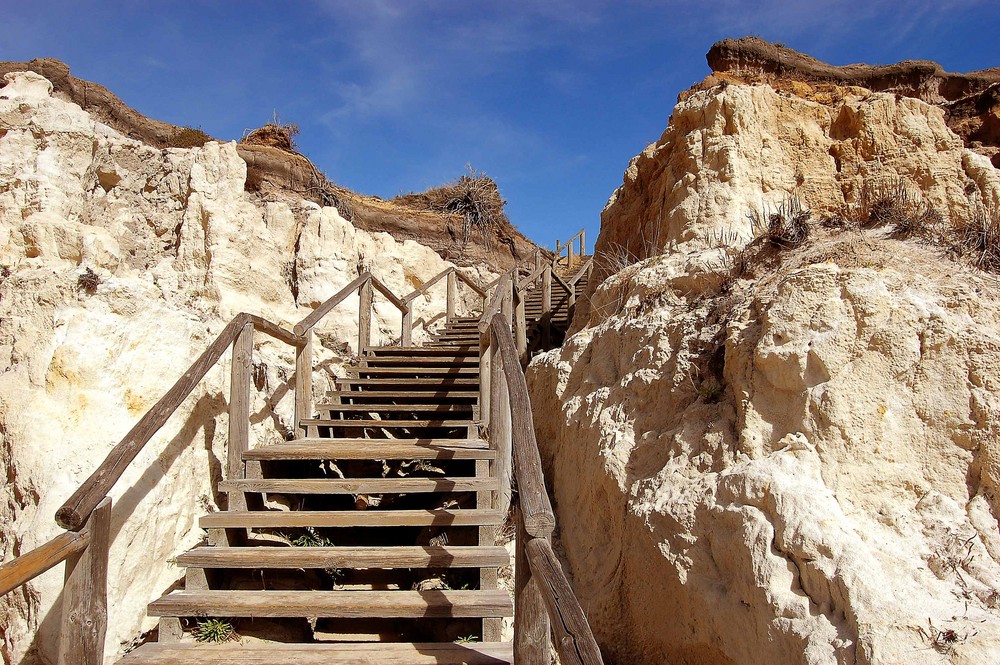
(178, 249)
(802, 465)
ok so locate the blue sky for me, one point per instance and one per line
(550, 98)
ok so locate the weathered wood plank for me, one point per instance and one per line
(344, 604)
(30, 565)
(359, 485)
(276, 331)
(381, 653)
(427, 556)
(451, 301)
(351, 518)
(74, 512)
(574, 641)
(322, 449)
(85, 594)
(239, 410)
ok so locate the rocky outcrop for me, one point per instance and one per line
(287, 176)
(119, 263)
(782, 455)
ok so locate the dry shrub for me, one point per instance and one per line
(88, 281)
(785, 227)
(881, 203)
(189, 137)
(927, 221)
(979, 238)
(475, 197)
(274, 134)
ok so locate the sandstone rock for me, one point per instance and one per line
(178, 248)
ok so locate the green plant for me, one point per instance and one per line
(785, 227)
(467, 639)
(215, 631)
(311, 539)
(88, 281)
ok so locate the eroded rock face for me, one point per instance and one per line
(799, 463)
(178, 248)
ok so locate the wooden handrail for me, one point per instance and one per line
(389, 295)
(495, 303)
(276, 331)
(574, 640)
(539, 521)
(587, 265)
(29, 566)
(471, 283)
(314, 316)
(423, 288)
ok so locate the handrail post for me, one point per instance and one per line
(520, 328)
(583, 242)
(538, 259)
(501, 434)
(406, 334)
(367, 299)
(485, 377)
(303, 384)
(452, 295)
(239, 411)
(85, 594)
(569, 255)
(531, 618)
(547, 304)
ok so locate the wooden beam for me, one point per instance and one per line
(276, 331)
(78, 507)
(423, 288)
(452, 300)
(389, 295)
(406, 332)
(28, 566)
(85, 594)
(574, 641)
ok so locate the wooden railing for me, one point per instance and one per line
(569, 250)
(544, 602)
(506, 419)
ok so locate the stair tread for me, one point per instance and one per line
(409, 556)
(411, 351)
(386, 394)
(386, 604)
(387, 422)
(436, 381)
(317, 448)
(457, 371)
(235, 519)
(383, 653)
(424, 408)
(359, 485)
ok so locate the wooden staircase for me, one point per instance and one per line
(368, 540)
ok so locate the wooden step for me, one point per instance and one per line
(268, 519)
(388, 408)
(334, 449)
(359, 485)
(423, 361)
(439, 396)
(381, 653)
(368, 422)
(341, 604)
(429, 383)
(410, 370)
(415, 351)
(428, 556)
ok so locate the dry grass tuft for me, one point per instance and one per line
(274, 134)
(189, 137)
(785, 227)
(475, 197)
(979, 238)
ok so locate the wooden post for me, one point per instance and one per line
(239, 411)
(538, 259)
(569, 255)
(507, 304)
(406, 334)
(583, 243)
(531, 619)
(485, 343)
(452, 295)
(303, 385)
(520, 330)
(365, 316)
(547, 305)
(85, 594)
(500, 431)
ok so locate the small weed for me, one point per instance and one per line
(88, 281)
(311, 539)
(467, 639)
(215, 631)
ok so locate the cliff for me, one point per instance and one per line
(773, 433)
(120, 261)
